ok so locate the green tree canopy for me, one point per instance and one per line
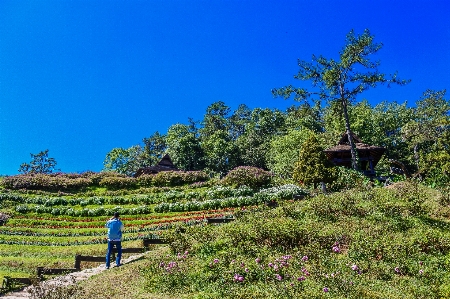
(40, 163)
(341, 80)
(312, 165)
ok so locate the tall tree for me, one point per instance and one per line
(154, 148)
(342, 80)
(40, 163)
(312, 166)
(216, 143)
(126, 161)
(431, 119)
(184, 147)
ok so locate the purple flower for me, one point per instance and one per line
(354, 267)
(301, 278)
(304, 258)
(326, 290)
(246, 270)
(336, 249)
(421, 271)
(216, 261)
(238, 278)
(270, 265)
(257, 260)
(397, 270)
(279, 277)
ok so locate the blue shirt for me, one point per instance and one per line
(115, 228)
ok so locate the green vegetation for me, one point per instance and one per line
(361, 239)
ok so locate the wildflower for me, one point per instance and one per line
(270, 265)
(242, 264)
(354, 267)
(257, 260)
(326, 290)
(216, 261)
(421, 263)
(304, 258)
(336, 249)
(246, 270)
(421, 271)
(301, 278)
(238, 278)
(397, 270)
(278, 277)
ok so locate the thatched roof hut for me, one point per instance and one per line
(369, 155)
(165, 164)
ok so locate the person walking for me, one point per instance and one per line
(115, 228)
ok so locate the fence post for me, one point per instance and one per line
(77, 262)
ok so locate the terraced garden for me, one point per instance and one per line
(48, 228)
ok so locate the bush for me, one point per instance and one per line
(345, 179)
(175, 178)
(281, 192)
(49, 182)
(252, 177)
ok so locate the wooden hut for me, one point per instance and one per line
(165, 164)
(368, 155)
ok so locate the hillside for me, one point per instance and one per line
(368, 242)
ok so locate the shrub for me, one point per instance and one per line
(49, 182)
(145, 180)
(345, 179)
(176, 178)
(252, 177)
(281, 192)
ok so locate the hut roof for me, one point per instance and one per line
(339, 154)
(165, 164)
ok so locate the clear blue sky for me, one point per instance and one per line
(82, 77)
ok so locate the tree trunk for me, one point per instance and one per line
(349, 135)
(416, 156)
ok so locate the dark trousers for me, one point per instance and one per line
(118, 245)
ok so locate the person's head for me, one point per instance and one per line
(116, 215)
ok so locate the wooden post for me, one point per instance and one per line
(77, 262)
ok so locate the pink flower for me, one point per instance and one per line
(354, 267)
(238, 278)
(257, 260)
(326, 290)
(397, 269)
(246, 270)
(216, 261)
(336, 249)
(301, 278)
(279, 277)
(270, 265)
(304, 258)
(421, 271)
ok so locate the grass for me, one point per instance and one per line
(369, 243)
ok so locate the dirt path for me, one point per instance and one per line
(69, 278)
